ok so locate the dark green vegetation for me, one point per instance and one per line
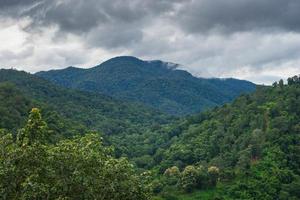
(253, 142)
(154, 83)
(248, 149)
(69, 112)
(78, 168)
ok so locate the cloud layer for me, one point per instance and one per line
(257, 40)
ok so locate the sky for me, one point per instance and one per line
(256, 40)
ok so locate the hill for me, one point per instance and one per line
(157, 84)
(251, 145)
(69, 111)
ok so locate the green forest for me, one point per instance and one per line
(62, 143)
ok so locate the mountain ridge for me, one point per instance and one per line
(91, 110)
(154, 83)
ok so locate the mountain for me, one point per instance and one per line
(69, 111)
(157, 84)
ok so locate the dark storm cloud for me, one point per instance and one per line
(124, 18)
(211, 37)
(12, 3)
(193, 16)
(82, 15)
(229, 16)
(113, 35)
(15, 8)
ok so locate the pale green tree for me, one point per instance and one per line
(188, 180)
(35, 129)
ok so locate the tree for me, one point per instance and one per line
(84, 169)
(77, 168)
(256, 141)
(172, 175)
(24, 170)
(281, 84)
(293, 80)
(244, 159)
(35, 129)
(213, 173)
(275, 84)
(173, 171)
(202, 177)
(188, 179)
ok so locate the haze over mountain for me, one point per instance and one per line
(156, 83)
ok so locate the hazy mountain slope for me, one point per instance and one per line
(154, 83)
(84, 109)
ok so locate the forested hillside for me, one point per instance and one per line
(70, 112)
(157, 84)
(251, 147)
(101, 110)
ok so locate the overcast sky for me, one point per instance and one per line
(257, 40)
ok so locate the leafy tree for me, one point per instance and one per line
(172, 175)
(188, 179)
(35, 129)
(281, 84)
(256, 143)
(78, 168)
(213, 173)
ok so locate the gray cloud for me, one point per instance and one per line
(16, 3)
(125, 19)
(114, 36)
(201, 16)
(193, 16)
(10, 55)
(240, 38)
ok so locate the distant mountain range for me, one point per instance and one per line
(155, 83)
(158, 84)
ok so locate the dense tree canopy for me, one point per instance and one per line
(78, 168)
(254, 143)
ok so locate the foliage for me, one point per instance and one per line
(79, 168)
(172, 175)
(13, 107)
(69, 112)
(254, 143)
(34, 131)
(189, 178)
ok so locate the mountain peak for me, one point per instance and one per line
(126, 59)
(123, 59)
